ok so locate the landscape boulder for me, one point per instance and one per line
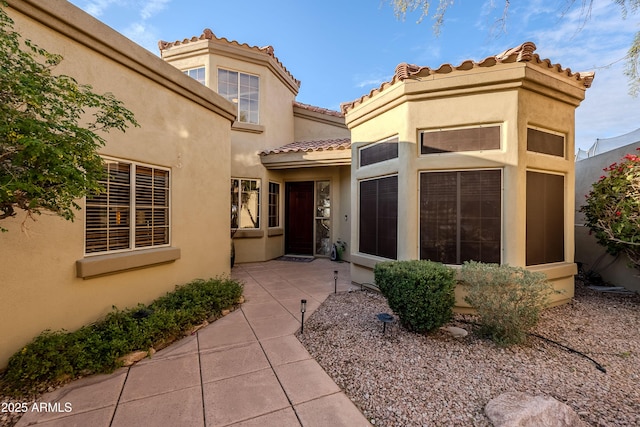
(517, 409)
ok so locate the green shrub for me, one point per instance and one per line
(58, 356)
(508, 299)
(421, 293)
(612, 209)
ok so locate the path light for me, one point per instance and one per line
(303, 308)
(335, 281)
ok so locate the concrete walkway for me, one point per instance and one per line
(246, 369)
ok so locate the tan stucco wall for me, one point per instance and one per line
(183, 126)
(490, 96)
(315, 126)
(613, 270)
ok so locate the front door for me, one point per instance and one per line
(298, 229)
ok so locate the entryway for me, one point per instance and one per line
(307, 218)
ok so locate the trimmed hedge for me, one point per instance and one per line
(420, 292)
(58, 356)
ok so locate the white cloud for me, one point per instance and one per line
(152, 7)
(143, 34)
(97, 7)
(371, 81)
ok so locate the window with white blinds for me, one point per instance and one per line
(133, 210)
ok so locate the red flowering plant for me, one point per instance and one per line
(612, 208)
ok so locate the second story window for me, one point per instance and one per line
(241, 89)
(196, 74)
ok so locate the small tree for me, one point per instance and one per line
(48, 159)
(612, 209)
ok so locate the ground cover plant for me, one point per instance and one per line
(55, 357)
(420, 292)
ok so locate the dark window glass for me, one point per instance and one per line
(379, 152)
(460, 216)
(544, 142)
(485, 138)
(545, 218)
(379, 217)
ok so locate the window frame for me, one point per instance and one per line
(259, 202)
(132, 209)
(196, 69)
(274, 197)
(458, 237)
(239, 98)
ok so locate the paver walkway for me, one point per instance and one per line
(246, 369)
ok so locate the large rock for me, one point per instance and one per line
(516, 409)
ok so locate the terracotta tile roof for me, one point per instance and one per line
(318, 109)
(207, 34)
(522, 53)
(308, 146)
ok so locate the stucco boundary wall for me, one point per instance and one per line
(48, 282)
(593, 256)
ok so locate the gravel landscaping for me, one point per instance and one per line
(405, 379)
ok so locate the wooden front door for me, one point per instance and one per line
(298, 231)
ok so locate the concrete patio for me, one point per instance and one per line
(246, 369)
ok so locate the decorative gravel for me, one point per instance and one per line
(404, 379)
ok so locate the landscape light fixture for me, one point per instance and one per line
(303, 308)
(335, 281)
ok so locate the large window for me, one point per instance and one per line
(241, 89)
(460, 216)
(245, 203)
(132, 212)
(545, 218)
(274, 204)
(196, 74)
(379, 217)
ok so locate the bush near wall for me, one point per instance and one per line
(508, 299)
(420, 292)
(54, 357)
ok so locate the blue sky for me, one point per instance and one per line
(341, 49)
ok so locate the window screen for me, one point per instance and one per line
(460, 216)
(545, 142)
(379, 152)
(545, 218)
(472, 139)
(379, 217)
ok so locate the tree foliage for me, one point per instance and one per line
(612, 208)
(632, 68)
(48, 130)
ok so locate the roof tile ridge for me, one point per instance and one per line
(208, 34)
(317, 109)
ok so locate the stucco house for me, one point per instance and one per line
(461, 162)
(123, 248)
(290, 162)
(468, 162)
